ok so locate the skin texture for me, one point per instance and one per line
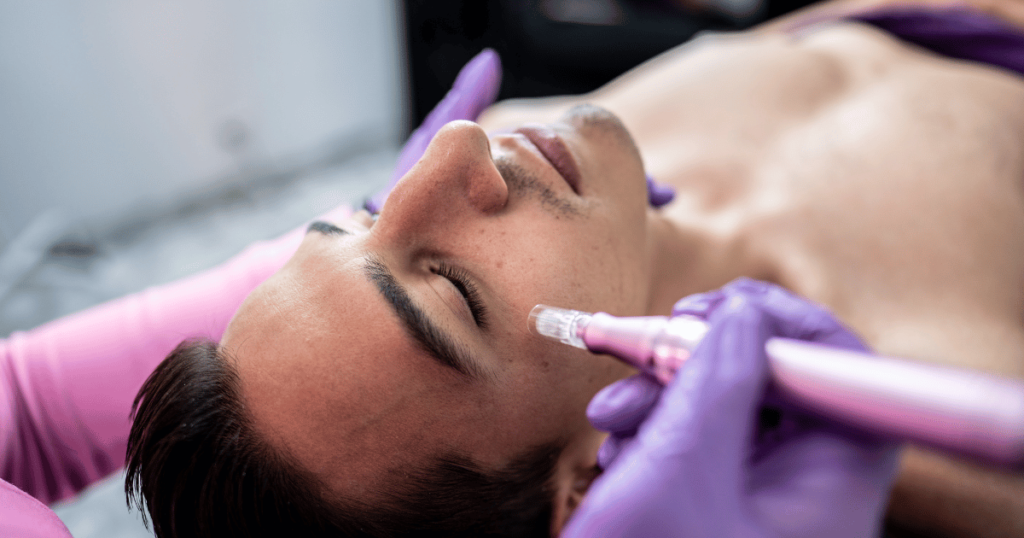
(872, 177)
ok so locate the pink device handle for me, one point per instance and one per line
(960, 410)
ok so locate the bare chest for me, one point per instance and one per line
(884, 183)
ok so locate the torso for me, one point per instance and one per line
(878, 179)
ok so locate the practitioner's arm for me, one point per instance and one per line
(22, 516)
(66, 388)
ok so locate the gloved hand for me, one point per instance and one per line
(702, 458)
(657, 194)
(474, 89)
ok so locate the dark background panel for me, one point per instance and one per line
(550, 47)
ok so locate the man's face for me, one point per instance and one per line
(363, 357)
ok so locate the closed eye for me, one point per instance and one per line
(462, 282)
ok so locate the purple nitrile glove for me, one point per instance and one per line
(658, 194)
(474, 89)
(701, 458)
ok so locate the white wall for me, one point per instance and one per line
(109, 106)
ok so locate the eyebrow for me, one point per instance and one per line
(437, 343)
(325, 228)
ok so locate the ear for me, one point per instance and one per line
(575, 472)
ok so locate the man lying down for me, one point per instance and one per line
(385, 376)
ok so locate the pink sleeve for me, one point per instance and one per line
(21, 516)
(66, 388)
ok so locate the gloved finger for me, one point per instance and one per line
(623, 405)
(477, 84)
(611, 448)
(786, 314)
(658, 194)
(699, 304)
(794, 316)
(708, 412)
(475, 88)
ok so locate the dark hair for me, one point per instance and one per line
(196, 463)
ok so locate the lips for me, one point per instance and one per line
(555, 151)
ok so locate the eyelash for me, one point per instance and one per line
(461, 280)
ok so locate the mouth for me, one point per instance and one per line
(553, 148)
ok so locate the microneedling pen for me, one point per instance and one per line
(958, 410)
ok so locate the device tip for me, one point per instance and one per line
(559, 324)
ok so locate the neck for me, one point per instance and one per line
(688, 254)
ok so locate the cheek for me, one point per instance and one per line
(549, 401)
(626, 262)
(557, 277)
(585, 266)
(551, 397)
(498, 428)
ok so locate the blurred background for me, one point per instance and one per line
(145, 140)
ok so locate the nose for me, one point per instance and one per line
(453, 181)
